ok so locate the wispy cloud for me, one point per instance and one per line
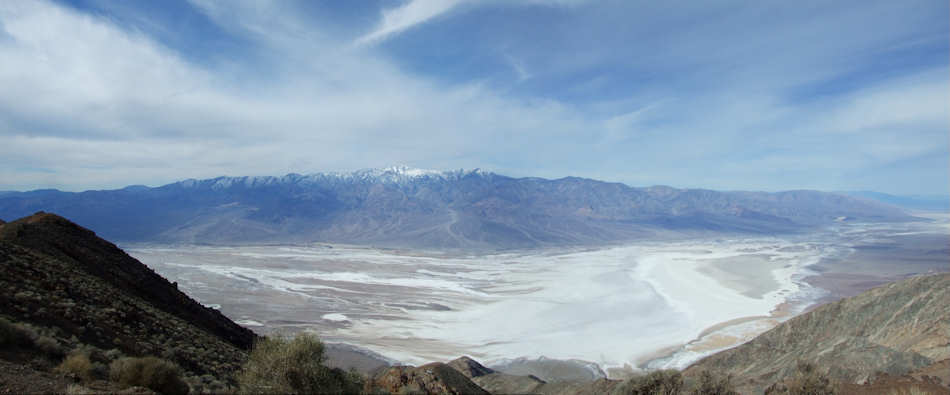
(630, 92)
(519, 67)
(406, 16)
(100, 97)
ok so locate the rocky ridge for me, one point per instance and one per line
(402, 207)
(895, 329)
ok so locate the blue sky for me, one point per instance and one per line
(843, 95)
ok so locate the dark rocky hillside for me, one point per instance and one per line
(83, 290)
(409, 208)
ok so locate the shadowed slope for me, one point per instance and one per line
(59, 275)
(59, 238)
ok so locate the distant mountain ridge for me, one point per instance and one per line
(406, 207)
(939, 203)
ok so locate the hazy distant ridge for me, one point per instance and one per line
(400, 206)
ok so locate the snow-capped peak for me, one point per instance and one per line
(398, 174)
(392, 174)
(411, 171)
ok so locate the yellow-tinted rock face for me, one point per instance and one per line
(895, 329)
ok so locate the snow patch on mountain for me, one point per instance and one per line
(387, 175)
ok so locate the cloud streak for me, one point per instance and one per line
(586, 90)
(406, 16)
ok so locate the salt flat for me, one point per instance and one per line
(649, 304)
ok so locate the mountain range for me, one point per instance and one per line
(404, 207)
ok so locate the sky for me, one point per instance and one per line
(727, 95)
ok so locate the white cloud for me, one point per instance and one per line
(412, 13)
(103, 100)
(919, 99)
(86, 103)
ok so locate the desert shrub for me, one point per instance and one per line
(659, 382)
(281, 365)
(48, 346)
(100, 370)
(149, 372)
(711, 384)
(808, 380)
(112, 355)
(909, 391)
(208, 384)
(77, 389)
(25, 336)
(78, 364)
(15, 335)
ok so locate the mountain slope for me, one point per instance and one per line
(415, 208)
(895, 329)
(935, 203)
(60, 276)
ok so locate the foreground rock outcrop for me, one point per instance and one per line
(80, 290)
(433, 378)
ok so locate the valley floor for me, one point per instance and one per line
(644, 305)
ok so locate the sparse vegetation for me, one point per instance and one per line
(77, 389)
(808, 380)
(149, 372)
(14, 335)
(712, 384)
(77, 364)
(672, 382)
(909, 391)
(25, 336)
(282, 365)
(48, 346)
(660, 382)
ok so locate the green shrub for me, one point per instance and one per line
(149, 372)
(659, 382)
(280, 365)
(77, 364)
(711, 384)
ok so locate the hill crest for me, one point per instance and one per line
(401, 207)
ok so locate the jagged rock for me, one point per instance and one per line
(433, 378)
(469, 367)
